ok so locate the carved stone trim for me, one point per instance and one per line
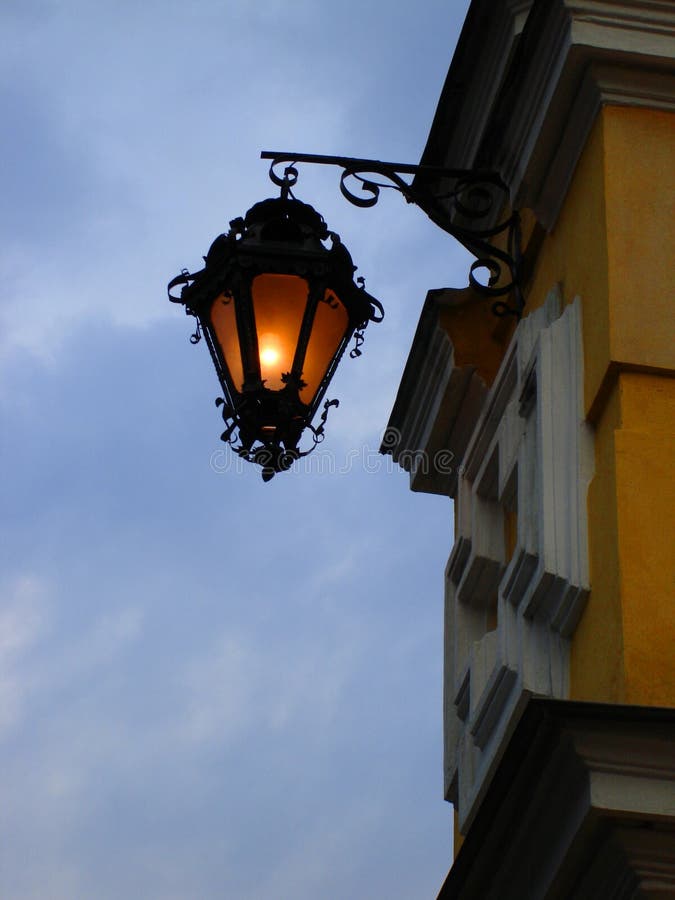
(436, 404)
(508, 621)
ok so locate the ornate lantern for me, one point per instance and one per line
(277, 308)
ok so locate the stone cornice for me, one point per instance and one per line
(527, 103)
(437, 402)
(573, 59)
(601, 778)
(490, 32)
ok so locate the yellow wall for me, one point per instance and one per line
(640, 209)
(575, 255)
(597, 671)
(645, 462)
(612, 247)
(630, 395)
(623, 649)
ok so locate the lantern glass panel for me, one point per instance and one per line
(331, 321)
(224, 321)
(279, 303)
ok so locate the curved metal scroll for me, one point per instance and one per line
(464, 212)
(271, 457)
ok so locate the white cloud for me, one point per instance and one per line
(240, 685)
(21, 616)
(91, 650)
(22, 622)
(111, 634)
(221, 687)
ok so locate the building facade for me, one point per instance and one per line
(559, 684)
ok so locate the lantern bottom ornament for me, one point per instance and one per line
(277, 308)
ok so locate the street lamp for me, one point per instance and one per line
(278, 307)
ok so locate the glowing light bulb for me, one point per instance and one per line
(270, 353)
(269, 356)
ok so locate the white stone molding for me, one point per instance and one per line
(508, 622)
(437, 403)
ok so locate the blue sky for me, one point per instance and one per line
(209, 687)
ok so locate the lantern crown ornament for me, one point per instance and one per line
(277, 305)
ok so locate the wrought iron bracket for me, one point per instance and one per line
(470, 209)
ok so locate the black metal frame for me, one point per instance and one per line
(286, 237)
(471, 198)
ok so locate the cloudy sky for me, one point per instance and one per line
(209, 687)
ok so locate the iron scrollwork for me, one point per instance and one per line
(271, 456)
(466, 211)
